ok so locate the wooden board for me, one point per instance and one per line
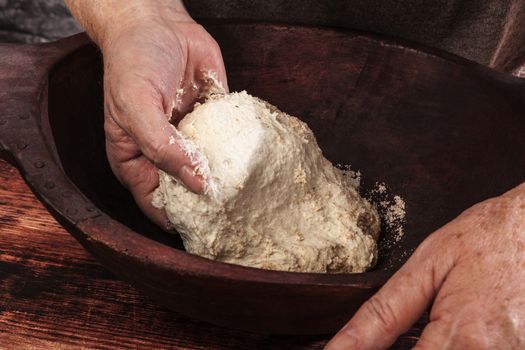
(54, 295)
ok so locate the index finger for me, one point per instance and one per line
(397, 305)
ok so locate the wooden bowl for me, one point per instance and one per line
(442, 132)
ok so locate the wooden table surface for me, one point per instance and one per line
(54, 295)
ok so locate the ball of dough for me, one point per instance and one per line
(272, 200)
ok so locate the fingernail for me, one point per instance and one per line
(344, 340)
(192, 181)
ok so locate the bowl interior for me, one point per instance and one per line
(437, 132)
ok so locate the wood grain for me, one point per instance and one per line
(54, 295)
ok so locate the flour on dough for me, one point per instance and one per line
(272, 200)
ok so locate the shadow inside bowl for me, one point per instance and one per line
(440, 136)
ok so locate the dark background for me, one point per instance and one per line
(490, 31)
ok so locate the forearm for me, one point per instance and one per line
(104, 19)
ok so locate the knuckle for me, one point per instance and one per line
(429, 243)
(425, 344)
(120, 99)
(479, 208)
(429, 248)
(159, 154)
(116, 102)
(214, 46)
(381, 310)
(110, 109)
(114, 134)
(125, 94)
(216, 53)
(110, 127)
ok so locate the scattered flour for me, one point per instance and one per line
(391, 208)
(352, 178)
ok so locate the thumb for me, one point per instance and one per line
(398, 304)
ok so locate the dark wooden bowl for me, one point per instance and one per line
(442, 132)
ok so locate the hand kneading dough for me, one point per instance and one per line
(272, 200)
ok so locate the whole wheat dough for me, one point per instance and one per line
(272, 200)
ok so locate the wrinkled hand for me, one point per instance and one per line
(473, 269)
(145, 62)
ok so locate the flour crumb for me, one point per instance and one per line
(391, 208)
(351, 177)
(519, 72)
(178, 96)
(299, 176)
(212, 85)
(395, 217)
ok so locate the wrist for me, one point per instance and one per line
(106, 20)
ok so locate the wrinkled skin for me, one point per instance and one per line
(144, 65)
(473, 269)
